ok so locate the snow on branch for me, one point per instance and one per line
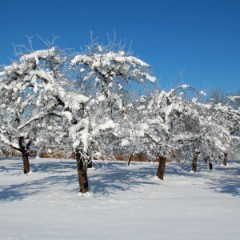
(8, 142)
(186, 87)
(113, 64)
(38, 55)
(38, 117)
(234, 98)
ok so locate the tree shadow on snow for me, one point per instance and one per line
(48, 174)
(228, 182)
(17, 192)
(178, 169)
(107, 178)
(221, 179)
(13, 164)
(115, 177)
(60, 166)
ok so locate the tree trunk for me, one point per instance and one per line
(208, 160)
(225, 159)
(130, 159)
(24, 145)
(194, 161)
(210, 166)
(161, 167)
(90, 163)
(82, 172)
(26, 165)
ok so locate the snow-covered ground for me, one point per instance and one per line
(124, 203)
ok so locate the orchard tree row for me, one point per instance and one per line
(88, 104)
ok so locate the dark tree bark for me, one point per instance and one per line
(130, 159)
(194, 161)
(26, 165)
(225, 159)
(82, 172)
(208, 160)
(210, 166)
(24, 149)
(90, 163)
(161, 167)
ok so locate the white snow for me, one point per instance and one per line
(203, 93)
(185, 86)
(36, 55)
(233, 98)
(124, 203)
(68, 115)
(118, 62)
(101, 98)
(109, 124)
(151, 78)
(125, 143)
(7, 141)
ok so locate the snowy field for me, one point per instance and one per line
(124, 203)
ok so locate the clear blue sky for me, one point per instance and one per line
(191, 41)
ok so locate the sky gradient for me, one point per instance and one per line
(185, 41)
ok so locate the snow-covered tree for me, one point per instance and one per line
(109, 71)
(35, 98)
(82, 103)
(18, 89)
(167, 122)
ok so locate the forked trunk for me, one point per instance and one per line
(26, 165)
(82, 172)
(130, 159)
(225, 159)
(194, 161)
(161, 167)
